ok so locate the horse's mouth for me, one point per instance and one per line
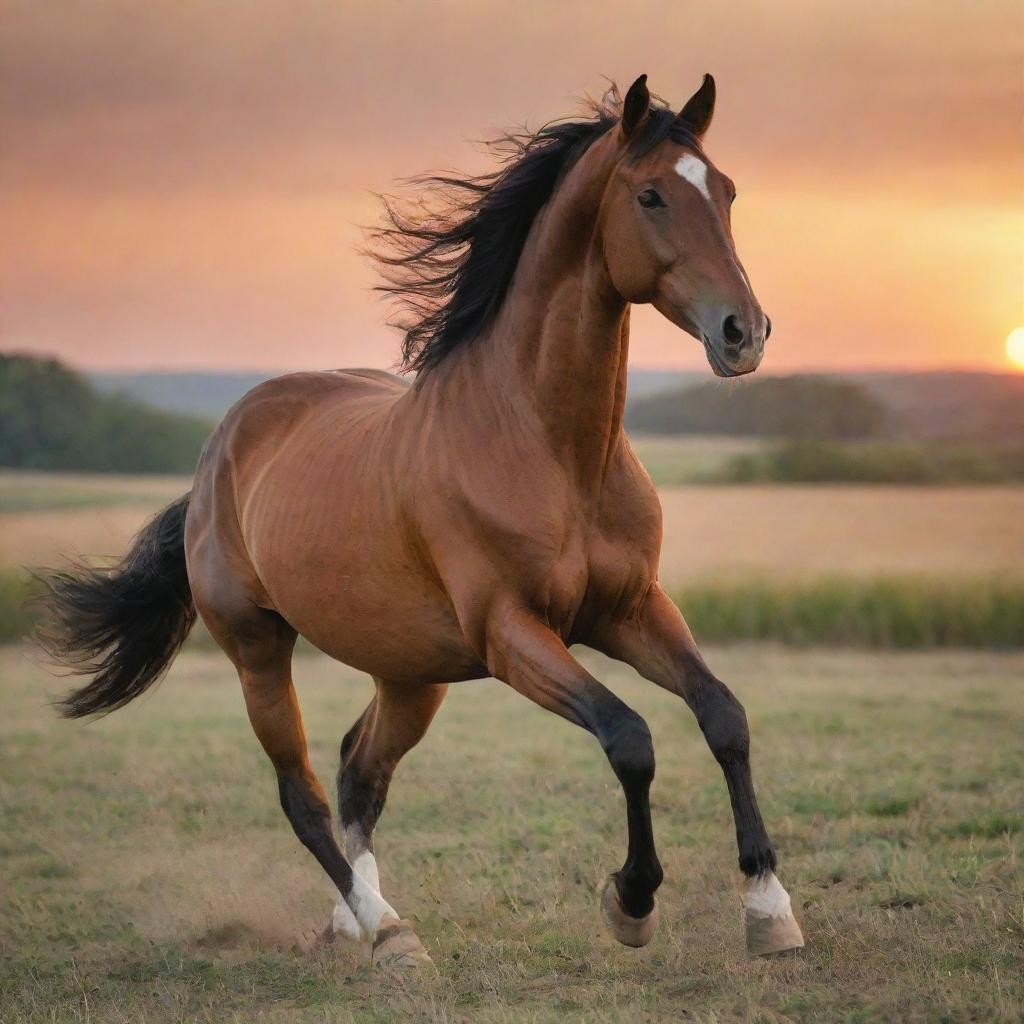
(719, 365)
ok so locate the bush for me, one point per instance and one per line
(832, 462)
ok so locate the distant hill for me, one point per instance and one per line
(53, 418)
(951, 405)
(212, 394)
(643, 383)
(209, 395)
(802, 406)
(941, 406)
(959, 405)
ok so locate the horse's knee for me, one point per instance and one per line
(724, 724)
(630, 751)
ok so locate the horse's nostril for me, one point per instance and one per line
(732, 331)
(767, 327)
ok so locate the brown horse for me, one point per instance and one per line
(474, 523)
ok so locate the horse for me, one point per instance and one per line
(477, 519)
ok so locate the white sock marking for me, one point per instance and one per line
(765, 897)
(344, 921)
(364, 899)
(368, 905)
(366, 865)
(695, 171)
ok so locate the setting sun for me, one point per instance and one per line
(1015, 347)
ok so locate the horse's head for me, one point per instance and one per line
(666, 230)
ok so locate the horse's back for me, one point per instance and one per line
(295, 410)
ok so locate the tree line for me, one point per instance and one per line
(802, 406)
(51, 418)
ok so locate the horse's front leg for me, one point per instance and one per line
(534, 661)
(659, 645)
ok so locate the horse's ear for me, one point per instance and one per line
(636, 106)
(699, 109)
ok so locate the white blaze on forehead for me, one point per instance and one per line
(695, 171)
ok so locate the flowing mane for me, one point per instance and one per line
(449, 258)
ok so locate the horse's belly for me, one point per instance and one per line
(393, 626)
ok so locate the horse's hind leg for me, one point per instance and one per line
(393, 724)
(260, 644)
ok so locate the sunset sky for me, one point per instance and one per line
(182, 183)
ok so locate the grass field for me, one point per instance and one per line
(868, 566)
(714, 530)
(148, 875)
(684, 459)
(29, 491)
(806, 530)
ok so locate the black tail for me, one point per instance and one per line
(122, 625)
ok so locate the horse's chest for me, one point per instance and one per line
(596, 574)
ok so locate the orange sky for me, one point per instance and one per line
(181, 182)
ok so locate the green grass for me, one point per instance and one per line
(683, 459)
(41, 498)
(147, 873)
(32, 491)
(16, 619)
(896, 612)
(672, 461)
(798, 462)
(899, 612)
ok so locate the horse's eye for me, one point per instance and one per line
(649, 199)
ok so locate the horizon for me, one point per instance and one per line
(697, 370)
(184, 185)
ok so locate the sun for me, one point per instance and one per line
(1015, 347)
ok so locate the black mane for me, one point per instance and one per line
(449, 260)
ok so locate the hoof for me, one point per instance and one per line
(630, 931)
(397, 945)
(768, 916)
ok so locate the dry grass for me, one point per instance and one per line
(800, 531)
(147, 873)
(47, 516)
(710, 531)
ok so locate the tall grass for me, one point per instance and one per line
(884, 612)
(15, 618)
(881, 612)
(817, 461)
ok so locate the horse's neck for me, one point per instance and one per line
(561, 342)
